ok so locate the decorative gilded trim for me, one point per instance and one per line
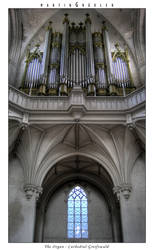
(77, 46)
(49, 27)
(66, 20)
(125, 57)
(88, 20)
(54, 66)
(56, 45)
(104, 26)
(98, 44)
(33, 55)
(100, 65)
(97, 34)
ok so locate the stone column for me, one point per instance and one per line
(45, 60)
(32, 194)
(108, 56)
(64, 58)
(90, 58)
(123, 193)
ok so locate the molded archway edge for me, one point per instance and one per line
(112, 174)
(102, 183)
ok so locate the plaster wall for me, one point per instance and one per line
(134, 207)
(21, 211)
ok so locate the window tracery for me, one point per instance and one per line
(77, 214)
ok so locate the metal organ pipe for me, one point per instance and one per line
(89, 52)
(64, 52)
(45, 60)
(54, 61)
(108, 55)
(99, 59)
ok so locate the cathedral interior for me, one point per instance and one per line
(76, 125)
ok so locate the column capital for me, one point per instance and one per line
(123, 189)
(32, 191)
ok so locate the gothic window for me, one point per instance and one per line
(77, 226)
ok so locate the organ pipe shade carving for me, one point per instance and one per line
(33, 68)
(77, 58)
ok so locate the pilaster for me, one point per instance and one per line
(32, 193)
(123, 195)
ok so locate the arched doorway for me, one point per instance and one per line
(100, 219)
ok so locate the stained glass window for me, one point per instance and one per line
(77, 218)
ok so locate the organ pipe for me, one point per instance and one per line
(45, 60)
(64, 52)
(89, 52)
(108, 56)
(54, 60)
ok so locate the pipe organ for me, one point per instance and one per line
(77, 58)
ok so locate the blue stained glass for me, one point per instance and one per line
(80, 196)
(77, 214)
(77, 199)
(77, 226)
(70, 198)
(84, 226)
(84, 218)
(77, 203)
(70, 203)
(70, 234)
(70, 210)
(77, 210)
(70, 226)
(84, 234)
(84, 210)
(78, 234)
(84, 203)
(77, 218)
(70, 218)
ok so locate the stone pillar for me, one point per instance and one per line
(108, 56)
(32, 194)
(115, 225)
(123, 193)
(64, 58)
(45, 60)
(90, 58)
